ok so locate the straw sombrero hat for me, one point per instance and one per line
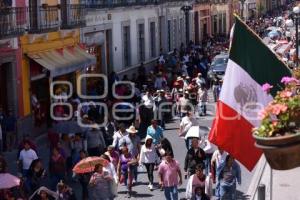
(131, 129)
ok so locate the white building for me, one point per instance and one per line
(122, 37)
(249, 9)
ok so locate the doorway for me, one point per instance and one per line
(8, 95)
(197, 34)
(3, 86)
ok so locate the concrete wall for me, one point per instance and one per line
(133, 16)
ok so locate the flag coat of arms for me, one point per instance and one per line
(251, 64)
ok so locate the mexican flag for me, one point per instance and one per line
(251, 64)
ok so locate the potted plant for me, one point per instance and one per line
(279, 133)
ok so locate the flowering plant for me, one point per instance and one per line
(282, 115)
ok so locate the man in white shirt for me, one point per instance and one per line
(118, 135)
(27, 155)
(147, 100)
(218, 157)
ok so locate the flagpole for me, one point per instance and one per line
(271, 183)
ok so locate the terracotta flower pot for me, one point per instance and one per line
(282, 153)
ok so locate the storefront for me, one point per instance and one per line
(97, 39)
(9, 77)
(59, 58)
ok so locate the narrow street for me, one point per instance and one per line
(140, 190)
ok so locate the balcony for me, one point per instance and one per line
(120, 3)
(73, 16)
(202, 1)
(43, 19)
(12, 22)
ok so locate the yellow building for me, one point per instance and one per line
(50, 52)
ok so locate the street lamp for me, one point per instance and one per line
(296, 11)
(186, 9)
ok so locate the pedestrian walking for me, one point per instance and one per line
(57, 168)
(202, 99)
(110, 168)
(27, 155)
(65, 192)
(228, 174)
(218, 157)
(155, 131)
(95, 142)
(148, 158)
(125, 172)
(159, 107)
(194, 156)
(84, 179)
(118, 135)
(185, 104)
(10, 127)
(186, 123)
(165, 146)
(132, 141)
(77, 145)
(200, 194)
(113, 155)
(169, 171)
(35, 177)
(199, 179)
(100, 184)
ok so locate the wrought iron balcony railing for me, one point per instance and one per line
(73, 16)
(12, 22)
(202, 1)
(43, 19)
(123, 3)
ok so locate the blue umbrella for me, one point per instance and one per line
(273, 34)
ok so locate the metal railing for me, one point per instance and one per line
(73, 16)
(218, 1)
(12, 22)
(202, 1)
(123, 3)
(43, 19)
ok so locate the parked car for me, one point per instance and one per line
(219, 64)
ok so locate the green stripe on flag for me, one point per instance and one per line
(251, 54)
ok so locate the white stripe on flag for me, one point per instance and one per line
(243, 94)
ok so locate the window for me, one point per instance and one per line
(220, 24)
(215, 19)
(126, 45)
(169, 36)
(224, 23)
(141, 42)
(181, 28)
(175, 35)
(152, 39)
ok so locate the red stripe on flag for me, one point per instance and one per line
(233, 133)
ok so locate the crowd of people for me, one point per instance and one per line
(178, 81)
(277, 33)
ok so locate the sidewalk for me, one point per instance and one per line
(286, 184)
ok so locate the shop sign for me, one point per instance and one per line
(96, 38)
(97, 19)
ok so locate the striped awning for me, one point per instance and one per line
(64, 61)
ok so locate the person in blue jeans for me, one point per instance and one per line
(228, 174)
(169, 171)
